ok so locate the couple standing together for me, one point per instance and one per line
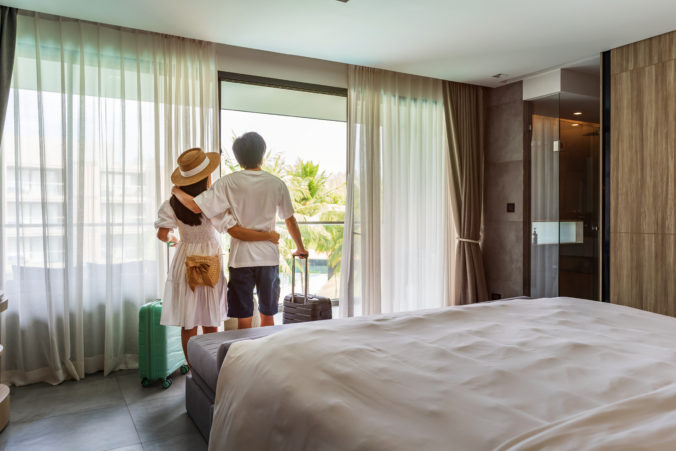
(244, 204)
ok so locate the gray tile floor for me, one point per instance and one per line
(101, 413)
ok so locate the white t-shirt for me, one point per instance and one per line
(255, 199)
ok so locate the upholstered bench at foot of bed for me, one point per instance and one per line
(206, 354)
(199, 406)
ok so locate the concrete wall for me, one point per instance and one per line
(504, 183)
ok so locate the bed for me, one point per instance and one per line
(555, 373)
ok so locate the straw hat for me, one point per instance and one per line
(194, 165)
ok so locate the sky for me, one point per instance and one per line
(322, 141)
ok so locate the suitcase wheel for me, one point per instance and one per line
(166, 383)
(145, 382)
(185, 369)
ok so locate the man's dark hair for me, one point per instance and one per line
(249, 150)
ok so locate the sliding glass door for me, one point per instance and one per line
(304, 127)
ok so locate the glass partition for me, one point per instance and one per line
(565, 196)
(545, 197)
(579, 195)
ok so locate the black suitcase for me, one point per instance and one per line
(299, 308)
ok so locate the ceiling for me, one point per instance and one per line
(466, 41)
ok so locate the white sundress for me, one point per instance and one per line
(206, 306)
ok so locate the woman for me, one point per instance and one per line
(201, 305)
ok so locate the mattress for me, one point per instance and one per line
(555, 373)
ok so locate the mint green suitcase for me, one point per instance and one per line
(159, 347)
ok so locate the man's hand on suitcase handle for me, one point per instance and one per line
(301, 253)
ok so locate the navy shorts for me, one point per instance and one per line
(241, 287)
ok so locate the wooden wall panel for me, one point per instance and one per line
(643, 175)
(623, 164)
(620, 251)
(670, 123)
(648, 52)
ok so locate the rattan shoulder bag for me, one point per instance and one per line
(202, 270)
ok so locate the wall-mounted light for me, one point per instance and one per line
(574, 124)
(577, 113)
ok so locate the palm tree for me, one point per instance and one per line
(331, 242)
(309, 186)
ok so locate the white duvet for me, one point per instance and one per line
(526, 374)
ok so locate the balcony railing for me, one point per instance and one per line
(322, 238)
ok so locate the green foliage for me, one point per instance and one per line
(230, 164)
(309, 187)
(274, 164)
(314, 200)
(331, 242)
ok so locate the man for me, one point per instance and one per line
(254, 197)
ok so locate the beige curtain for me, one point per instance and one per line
(7, 44)
(465, 129)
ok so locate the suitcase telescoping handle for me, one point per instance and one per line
(293, 278)
(169, 243)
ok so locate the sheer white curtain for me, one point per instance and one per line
(397, 248)
(96, 118)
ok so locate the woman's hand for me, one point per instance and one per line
(167, 235)
(172, 240)
(274, 237)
